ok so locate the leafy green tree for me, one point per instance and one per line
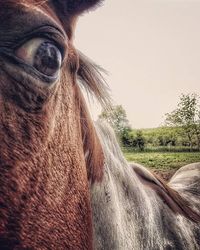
(117, 118)
(187, 116)
(128, 139)
(140, 140)
(134, 139)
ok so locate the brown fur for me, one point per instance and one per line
(45, 135)
(44, 191)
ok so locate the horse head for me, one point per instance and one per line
(52, 158)
(48, 145)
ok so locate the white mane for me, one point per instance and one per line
(130, 215)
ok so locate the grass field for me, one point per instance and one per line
(163, 161)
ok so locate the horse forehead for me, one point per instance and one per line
(37, 7)
(44, 9)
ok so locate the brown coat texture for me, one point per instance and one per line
(51, 156)
(44, 192)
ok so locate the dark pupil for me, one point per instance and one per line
(48, 59)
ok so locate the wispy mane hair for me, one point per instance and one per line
(90, 75)
(91, 80)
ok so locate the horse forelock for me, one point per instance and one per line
(170, 197)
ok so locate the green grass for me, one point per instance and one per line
(163, 161)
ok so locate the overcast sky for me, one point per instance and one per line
(152, 52)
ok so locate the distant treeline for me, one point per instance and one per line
(158, 139)
(181, 133)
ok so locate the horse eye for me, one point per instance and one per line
(42, 54)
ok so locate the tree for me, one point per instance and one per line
(128, 139)
(117, 118)
(140, 140)
(134, 139)
(187, 116)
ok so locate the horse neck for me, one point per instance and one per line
(139, 182)
(48, 191)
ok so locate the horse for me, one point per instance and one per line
(134, 209)
(64, 183)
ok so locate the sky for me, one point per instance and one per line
(151, 49)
